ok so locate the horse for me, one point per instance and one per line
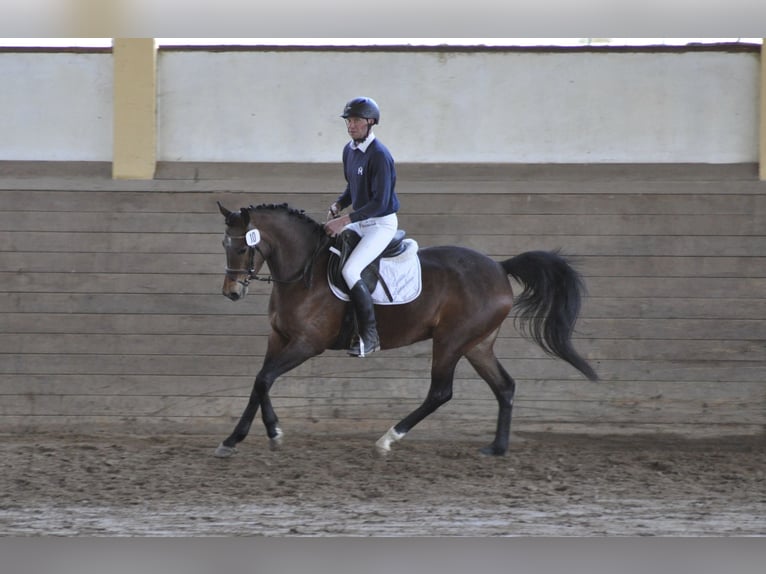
(465, 298)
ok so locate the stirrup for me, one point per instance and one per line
(359, 349)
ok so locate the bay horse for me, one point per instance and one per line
(465, 298)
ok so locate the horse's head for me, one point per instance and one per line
(287, 239)
(243, 257)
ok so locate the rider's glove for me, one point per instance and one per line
(334, 211)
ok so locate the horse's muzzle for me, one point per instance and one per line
(234, 290)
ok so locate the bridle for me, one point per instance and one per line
(304, 274)
(233, 274)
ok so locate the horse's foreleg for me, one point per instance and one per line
(280, 358)
(440, 391)
(268, 415)
(483, 359)
(228, 446)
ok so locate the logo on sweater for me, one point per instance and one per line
(360, 170)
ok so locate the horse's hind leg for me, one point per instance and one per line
(483, 359)
(440, 391)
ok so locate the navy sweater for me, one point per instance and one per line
(371, 179)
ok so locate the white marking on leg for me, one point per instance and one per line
(384, 443)
(224, 451)
(276, 441)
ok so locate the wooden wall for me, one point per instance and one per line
(111, 317)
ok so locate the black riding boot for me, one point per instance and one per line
(368, 342)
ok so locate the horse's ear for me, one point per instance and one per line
(225, 212)
(245, 213)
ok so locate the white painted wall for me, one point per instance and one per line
(463, 107)
(283, 106)
(56, 106)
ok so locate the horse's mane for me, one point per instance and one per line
(291, 211)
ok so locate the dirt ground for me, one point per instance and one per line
(331, 485)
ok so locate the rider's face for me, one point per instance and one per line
(358, 127)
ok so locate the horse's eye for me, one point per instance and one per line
(242, 251)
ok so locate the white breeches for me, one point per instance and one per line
(376, 234)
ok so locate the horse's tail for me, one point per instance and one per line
(550, 303)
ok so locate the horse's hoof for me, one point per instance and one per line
(383, 444)
(275, 442)
(224, 451)
(492, 450)
(381, 452)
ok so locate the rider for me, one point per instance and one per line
(371, 178)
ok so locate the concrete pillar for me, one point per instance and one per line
(135, 108)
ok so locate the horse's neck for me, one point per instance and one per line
(291, 253)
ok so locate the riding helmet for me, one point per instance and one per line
(362, 108)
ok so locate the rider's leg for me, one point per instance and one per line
(375, 236)
(368, 341)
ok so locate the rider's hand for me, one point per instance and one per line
(335, 226)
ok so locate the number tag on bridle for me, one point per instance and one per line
(253, 237)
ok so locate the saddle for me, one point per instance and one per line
(342, 248)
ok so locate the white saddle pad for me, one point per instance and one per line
(401, 274)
